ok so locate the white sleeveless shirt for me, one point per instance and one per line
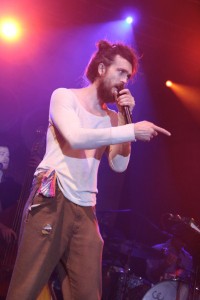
(76, 141)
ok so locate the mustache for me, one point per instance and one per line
(120, 87)
(116, 89)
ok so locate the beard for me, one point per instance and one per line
(105, 92)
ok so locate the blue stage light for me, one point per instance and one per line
(129, 20)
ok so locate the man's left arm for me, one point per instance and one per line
(119, 154)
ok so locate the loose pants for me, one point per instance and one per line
(57, 232)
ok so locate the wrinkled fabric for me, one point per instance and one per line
(48, 185)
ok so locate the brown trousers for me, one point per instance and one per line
(58, 231)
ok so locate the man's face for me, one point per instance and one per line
(4, 157)
(115, 76)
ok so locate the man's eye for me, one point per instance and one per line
(121, 72)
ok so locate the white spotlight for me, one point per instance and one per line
(129, 20)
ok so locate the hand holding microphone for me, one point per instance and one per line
(125, 101)
(144, 130)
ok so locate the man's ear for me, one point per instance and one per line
(101, 69)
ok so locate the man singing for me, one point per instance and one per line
(59, 227)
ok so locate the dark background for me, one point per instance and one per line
(59, 38)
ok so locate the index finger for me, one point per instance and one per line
(161, 130)
(124, 91)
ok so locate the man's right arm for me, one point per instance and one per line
(64, 117)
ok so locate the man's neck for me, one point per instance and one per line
(88, 98)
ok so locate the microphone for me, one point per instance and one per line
(1, 166)
(125, 108)
(127, 114)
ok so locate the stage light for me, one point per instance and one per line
(10, 29)
(129, 20)
(168, 83)
(189, 96)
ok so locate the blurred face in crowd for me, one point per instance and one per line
(178, 243)
(4, 157)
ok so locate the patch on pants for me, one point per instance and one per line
(47, 229)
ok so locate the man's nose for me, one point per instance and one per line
(124, 79)
(123, 82)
